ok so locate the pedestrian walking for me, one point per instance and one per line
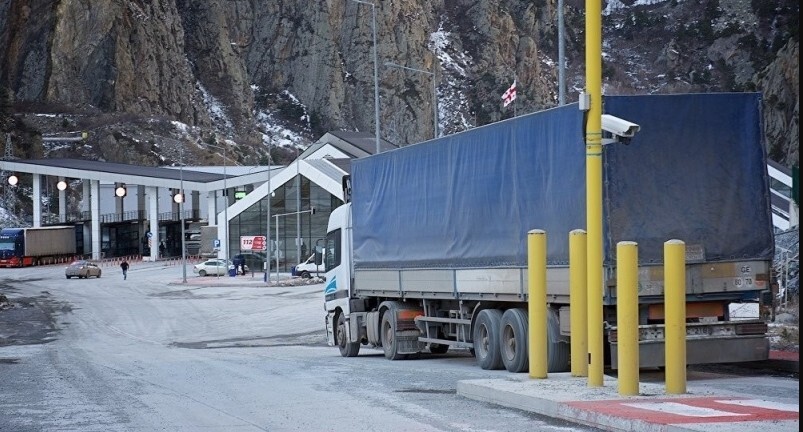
(124, 266)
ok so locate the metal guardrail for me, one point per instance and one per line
(133, 215)
(176, 216)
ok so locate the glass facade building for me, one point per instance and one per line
(294, 230)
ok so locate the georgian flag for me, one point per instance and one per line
(510, 94)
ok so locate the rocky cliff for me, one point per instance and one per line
(147, 77)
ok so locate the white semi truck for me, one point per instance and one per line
(429, 252)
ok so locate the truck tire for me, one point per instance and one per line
(513, 340)
(388, 336)
(306, 275)
(486, 339)
(347, 349)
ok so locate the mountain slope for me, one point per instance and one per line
(145, 78)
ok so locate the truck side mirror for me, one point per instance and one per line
(318, 257)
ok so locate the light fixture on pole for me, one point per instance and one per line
(13, 180)
(376, 72)
(434, 91)
(120, 191)
(62, 185)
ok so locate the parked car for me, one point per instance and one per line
(213, 267)
(82, 269)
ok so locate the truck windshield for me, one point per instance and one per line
(7, 245)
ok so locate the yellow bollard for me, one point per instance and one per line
(578, 303)
(675, 318)
(627, 317)
(536, 303)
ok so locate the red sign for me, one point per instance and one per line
(252, 243)
(259, 243)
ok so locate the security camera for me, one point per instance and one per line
(619, 127)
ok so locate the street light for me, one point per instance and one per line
(376, 72)
(434, 91)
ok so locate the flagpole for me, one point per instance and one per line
(514, 100)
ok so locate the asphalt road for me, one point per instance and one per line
(152, 354)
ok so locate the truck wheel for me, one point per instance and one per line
(347, 349)
(305, 275)
(514, 340)
(486, 339)
(388, 336)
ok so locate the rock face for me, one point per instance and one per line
(284, 73)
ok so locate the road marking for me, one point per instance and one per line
(762, 404)
(711, 409)
(681, 409)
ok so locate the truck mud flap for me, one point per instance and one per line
(408, 342)
(407, 333)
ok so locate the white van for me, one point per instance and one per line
(308, 268)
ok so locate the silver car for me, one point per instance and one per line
(212, 267)
(82, 269)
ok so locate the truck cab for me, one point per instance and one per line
(11, 247)
(337, 290)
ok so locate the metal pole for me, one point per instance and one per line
(298, 209)
(376, 81)
(268, 247)
(594, 192)
(578, 301)
(675, 316)
(561, 59)
(181, 210)
(376, 73)
(226, 206)
(536, 304)
(435, 100)
(627, 317)
(277, 248)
